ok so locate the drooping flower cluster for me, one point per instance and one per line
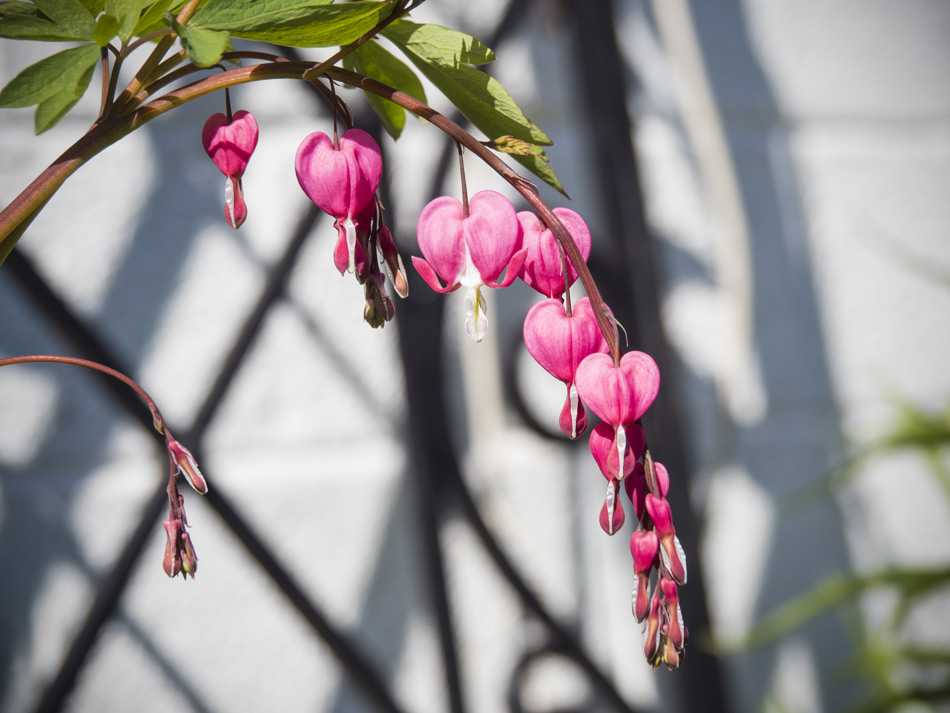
(341, 176)
(180, 553)
(230, 144)
(470, 245)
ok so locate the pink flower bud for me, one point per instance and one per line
(171, 562)
(187, 466)
(603, 447)
(636, 486)
(559, 343)
(611, 514)
(543, 269)
(230, 146)
(643, 547)
(652, 634)
(340, 180)
(674, 626)
(671, 551)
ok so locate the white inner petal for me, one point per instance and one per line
(610, 502)
(621, 449)
(573, 395)
(350, 244)
(681, 553)
(476, 323)
(229, 200)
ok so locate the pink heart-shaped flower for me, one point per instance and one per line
(340, 181)
(542, 269)
(603, 447)
(230, 145)
(470, 250)
(618, 394)
(560, 343)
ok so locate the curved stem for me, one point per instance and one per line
(157, 421)
(16, 217)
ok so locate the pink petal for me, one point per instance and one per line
(439, 233)
(611, 514)
(514, 267)
(644, 546)
(492, 233)
(230, 145)
(621, 394)
(428, 274)
(542, 270)
(660, 513)
(573, 420)
(560, 343)
(339, 181)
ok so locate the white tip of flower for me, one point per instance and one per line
(476, 323)
(229, 201)
(621, 448)
(573, 397)
(681, 553)
(611, 502)
(351, 245)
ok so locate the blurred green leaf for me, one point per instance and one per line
(832, 592)
(373, 61)
(204, 47)
(294, 23)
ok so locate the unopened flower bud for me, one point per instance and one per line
(189, 560)
(651, 633)
(171, 562)
(643, 547)
(187, 466)
(611, 514)
(671, 551)
(379, 309)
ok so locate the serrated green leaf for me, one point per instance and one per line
(51, 110)
(204, 47)
(71, 15)
(298, 24)
(41, 81)
(107, 27)
(127, 12)
(374, 61)
(153, 18)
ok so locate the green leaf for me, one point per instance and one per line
(48, 77)
(153, 18)
(439, 44)
(374, 61)
(442, 56)
(23, 21)
(107, 27)
(94, 6)
(71, 15)
(204, 47)
(540, 166)
(294, 23)
(51, 110)
(127, 12)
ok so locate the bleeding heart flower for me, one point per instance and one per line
(230, 145)
(542, 269)
(470, 249)
(637, 488)
(671, 551)
(602, 447)
(559, 343)
(341, 180)
(619, 395)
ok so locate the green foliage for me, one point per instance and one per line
(376, 62)
(883, 657)
(294, 23)
(54, 84)
(71, 15)
(127, 12)
(446, 57)
(107, 27)
(24, 21)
